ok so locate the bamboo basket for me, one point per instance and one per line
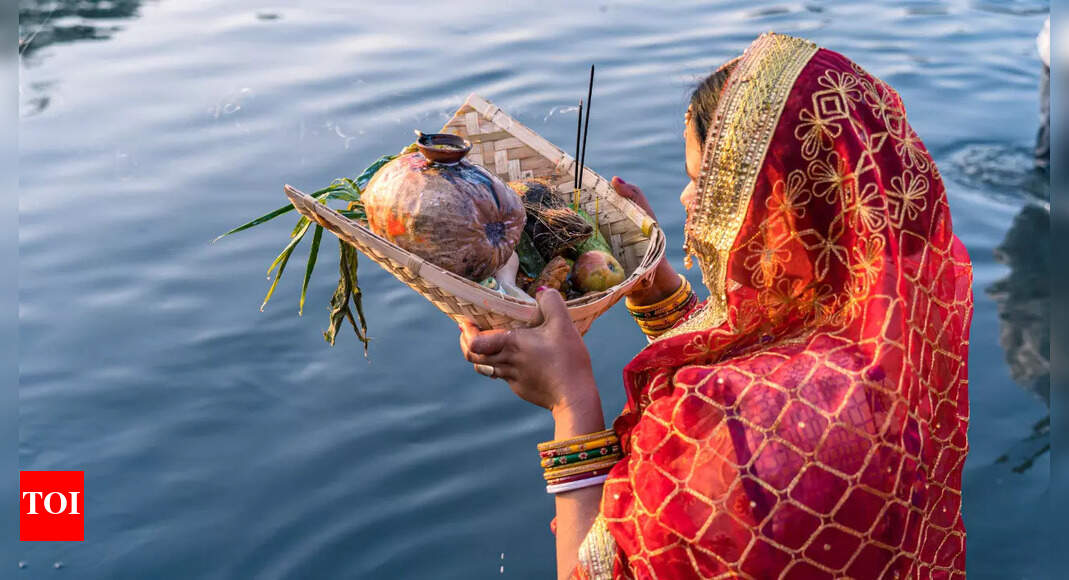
(512, 151)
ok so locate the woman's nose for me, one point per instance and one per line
(688, 197)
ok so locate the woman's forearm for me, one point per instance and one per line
(577, 509)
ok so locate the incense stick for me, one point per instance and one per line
(586, 125)
(578, 135)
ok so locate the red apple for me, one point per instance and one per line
(596, 271)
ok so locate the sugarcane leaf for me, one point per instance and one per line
(343, 195)
(269, 216)
(298, 233)
(353, 214)
(281, 262)
(363, 179)
(301, 224)
(339, 308)
(313, 252)
(257, 221)
(339, 302)
(354, 290)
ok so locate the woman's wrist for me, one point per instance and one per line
(578, 414)
(665, 282)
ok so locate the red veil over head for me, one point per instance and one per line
(810, 420)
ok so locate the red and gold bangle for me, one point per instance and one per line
(584, 467)
(570, 478)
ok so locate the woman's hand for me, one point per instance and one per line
(547, 365)
(665, 280)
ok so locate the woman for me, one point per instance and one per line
(809, 419)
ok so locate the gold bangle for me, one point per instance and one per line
(584, 467)
(663, 323)
(558, 443)
(677, 295)
(679, 304)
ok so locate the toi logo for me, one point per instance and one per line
(51, 506)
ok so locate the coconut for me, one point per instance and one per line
(551, 224)
(457, 216)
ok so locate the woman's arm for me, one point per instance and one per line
(576, 510)
(549, 365)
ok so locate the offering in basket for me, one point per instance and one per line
(477, 217)
(510, 151)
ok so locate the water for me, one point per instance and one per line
(221, 442)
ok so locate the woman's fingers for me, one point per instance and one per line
(625, 189)
(554, 310)
(490, 342)
(494, 360)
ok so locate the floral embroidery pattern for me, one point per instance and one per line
(867, 211)
(789, 197)
(867, 262)
(816, 133)
(907, 196)
(833, 178)
(765, 261)
(910, 148)
(843, 84)
(826, 246)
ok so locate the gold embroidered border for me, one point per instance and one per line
(598, 551)
(734, 151)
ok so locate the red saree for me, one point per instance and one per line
(810, 420)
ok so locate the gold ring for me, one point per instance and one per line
(485, 370)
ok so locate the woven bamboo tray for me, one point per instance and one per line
(512, 151)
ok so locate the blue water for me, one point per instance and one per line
(221, 442)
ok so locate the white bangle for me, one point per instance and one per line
(579, 484)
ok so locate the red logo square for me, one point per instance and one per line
(51, 505)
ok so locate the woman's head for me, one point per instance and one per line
(699, 118)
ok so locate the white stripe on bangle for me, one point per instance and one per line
(579, 484)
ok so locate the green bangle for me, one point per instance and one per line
(580, 456)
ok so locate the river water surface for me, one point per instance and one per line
(221, 442)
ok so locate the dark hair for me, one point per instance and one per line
(705, 97)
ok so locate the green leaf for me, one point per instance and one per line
(339, 303)
(269, 216)
(353, 214)
(312, 254)
(257, 221)
(530, 260)
(363, 179)
(301, 225)
(343, 195)
(594, 242)
(281, 261)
